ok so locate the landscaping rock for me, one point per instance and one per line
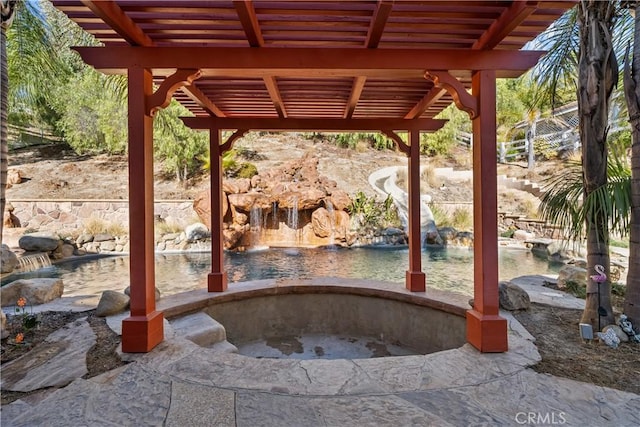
(36, 291)
(197, 231)
(59, 360)
(84, 238)
(622, 335)
(8, 260)
(39, 242)
(103, 237)
(523, 235)
(513, 297)
(112, 302)
(127, 292)
(571, 273)
(3, 325)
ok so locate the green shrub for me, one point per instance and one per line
(246, 170)
(576, 289)
(618, 289)
(440, 216)
(462, 219)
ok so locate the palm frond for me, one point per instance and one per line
(565, 204)
(557, 69)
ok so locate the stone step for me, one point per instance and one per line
(224, 347)
(200, 329)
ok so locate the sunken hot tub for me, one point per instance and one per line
(336, 318)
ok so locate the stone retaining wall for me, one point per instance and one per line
(69, 215)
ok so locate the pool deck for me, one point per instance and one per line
(181, 383)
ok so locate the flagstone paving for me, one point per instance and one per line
(182, 384)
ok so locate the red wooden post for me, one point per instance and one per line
(486, 330)
(415, 278)
(217, 279)
(143, 330)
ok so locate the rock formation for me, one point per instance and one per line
(292, 205)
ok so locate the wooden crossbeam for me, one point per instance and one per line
(313, 61)
(111, 13)
(510, 19)
(378, 22)
(202, 100)
(356, 91)
(347, 125)
(428, 100)
(249, 20)
(274, 93)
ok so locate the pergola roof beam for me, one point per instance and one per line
(314, 61)
(111, 13)
(429, 99)
(202, 100)
(274, 93)
(510, 19)
(327, 125)
(354, 97)
(249, 21)
(378, 23)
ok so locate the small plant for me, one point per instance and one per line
(27, 321)
(164, 227)
(462, 219)
(95, 226)
(98, 225)
(246, 170)
(576, 289)
(618, 289)
(440, 216)
(116, 229)
(429, 175)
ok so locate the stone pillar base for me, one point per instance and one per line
(140, 334)
(415, 281)
(487, 333)
(217, 282)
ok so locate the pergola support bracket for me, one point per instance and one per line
(162, 96)
(463, 99)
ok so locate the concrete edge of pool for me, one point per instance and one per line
(460, 366)
(191, 301)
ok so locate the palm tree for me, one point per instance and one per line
(597, 75)
(632, 95)
(7, 13)
(27, 55)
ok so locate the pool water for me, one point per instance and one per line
(446, 268)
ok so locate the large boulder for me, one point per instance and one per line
(513, 297)
(127, 292)
(303, 198)
(36, 291)
(246, 201)
(432, 237)
(8, 260)
(112, 302)
(340, 200)
(202, 206)
(571, 273)
(322, 222)
(39, 242)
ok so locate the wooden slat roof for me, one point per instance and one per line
(281, 25)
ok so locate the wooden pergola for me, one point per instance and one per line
(370, 65)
